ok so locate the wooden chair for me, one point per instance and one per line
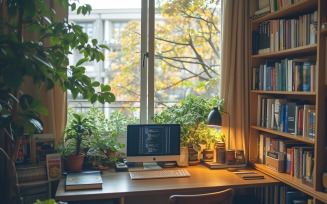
(221, 197)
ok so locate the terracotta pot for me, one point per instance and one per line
(74, 163)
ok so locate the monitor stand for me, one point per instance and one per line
(151, 166)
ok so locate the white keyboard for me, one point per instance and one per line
(159, 174)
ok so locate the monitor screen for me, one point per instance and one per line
(153, 142)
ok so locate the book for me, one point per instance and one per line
(84, 180)
(299, 120)
(250, 176)
(23, 152)
(215, 165)
(31, 173)
(53, 166)
(278, 119)
(306, 69)
(306, 118)
(290, 117)
(261, 147)
(293, 195)
(39, 148)
(259, 113)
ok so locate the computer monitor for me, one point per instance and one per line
(153, 142)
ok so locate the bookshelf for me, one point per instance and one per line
(313, 52)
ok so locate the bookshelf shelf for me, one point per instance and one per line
(285, 178)
(272, 70)
(298, 51)
(302, 93)
(285, 135)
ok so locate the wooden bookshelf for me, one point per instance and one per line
(317, 52)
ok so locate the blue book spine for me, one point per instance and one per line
(286, 118)
(282, 118)
(306, 76)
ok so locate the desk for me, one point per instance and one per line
(119, 185)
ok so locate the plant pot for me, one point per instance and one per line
(74, 163)
(183, 159)
(193, 157)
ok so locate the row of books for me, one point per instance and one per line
(263, 8)
(282, 34)
(295, 117)
(287, 156)
(33, 148)
(281, 194)
(42, 172)
(281, 4)
(285, 75)
(269, 6)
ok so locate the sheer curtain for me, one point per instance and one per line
(235, 78)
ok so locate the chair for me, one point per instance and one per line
(221, 197)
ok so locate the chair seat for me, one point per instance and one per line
(220, 197)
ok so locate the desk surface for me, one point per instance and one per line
(119, 184)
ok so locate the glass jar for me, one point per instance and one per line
(220, 153)
(230, 156)
(239, 157)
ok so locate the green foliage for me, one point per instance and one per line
(44, 61)
(191, 114)
(101, 134)
(80, 128)
(48, 201)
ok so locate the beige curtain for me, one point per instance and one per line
(235, 79)
(54, 100)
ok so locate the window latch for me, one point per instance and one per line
(143, 58)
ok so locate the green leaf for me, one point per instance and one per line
(95, 84)
(25, 102)
(94, 41)
(105, 88)
(81, 61)
(93, 98)
(12, 75)
(73, 6)
(104, 47)
(43, 61)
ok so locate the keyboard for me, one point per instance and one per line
(159, 174)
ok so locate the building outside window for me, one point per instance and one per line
(185, 42)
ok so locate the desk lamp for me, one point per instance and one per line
(215, 120)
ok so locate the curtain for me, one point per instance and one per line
(54, 100)
(234, 76)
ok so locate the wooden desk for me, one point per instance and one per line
(119, 185)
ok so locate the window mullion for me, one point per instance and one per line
(144, 65)
(151, 39)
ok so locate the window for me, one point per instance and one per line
(160, 51)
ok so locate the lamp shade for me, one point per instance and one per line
(214, 118)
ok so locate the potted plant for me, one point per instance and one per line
(105, 144)
(80, 129)
(44, 62)
(209, 137)
(191, 113)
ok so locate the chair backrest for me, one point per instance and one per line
(221, 197)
